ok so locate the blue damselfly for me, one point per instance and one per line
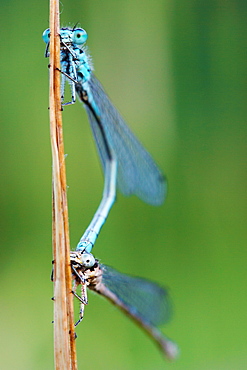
(125, 162)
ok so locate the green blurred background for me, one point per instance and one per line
(177, 72)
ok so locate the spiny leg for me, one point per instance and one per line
(84, 301)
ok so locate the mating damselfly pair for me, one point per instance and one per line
(128, 166)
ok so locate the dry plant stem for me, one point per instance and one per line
(64, 335)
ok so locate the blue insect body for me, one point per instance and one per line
(125, 162)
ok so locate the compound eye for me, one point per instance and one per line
(87, 259)
(46, 35)
(79, 36)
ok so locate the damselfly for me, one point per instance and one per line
(125, 161)
(143, 301)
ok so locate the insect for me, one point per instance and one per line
(127, 165)
(145, 302)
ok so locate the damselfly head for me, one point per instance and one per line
(82, 259)
(76, 36)
(87, 259)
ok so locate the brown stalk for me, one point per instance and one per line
(64, 334)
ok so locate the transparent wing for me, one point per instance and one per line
(146, 299)
(137, 172)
